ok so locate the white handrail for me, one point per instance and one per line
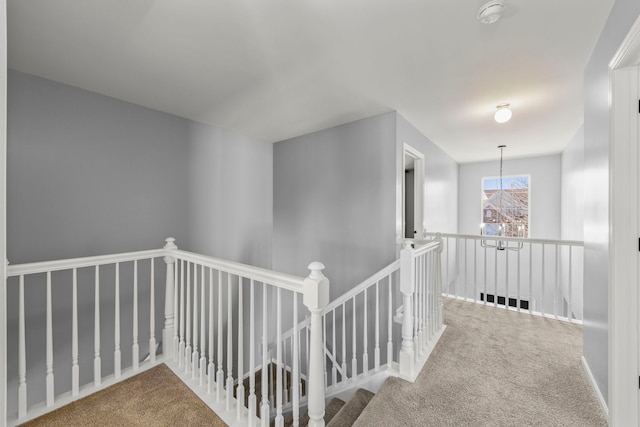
(92, 261)
(506, 239)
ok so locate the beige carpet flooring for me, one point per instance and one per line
(493, 367)
(155, 397)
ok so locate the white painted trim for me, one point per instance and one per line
(594, 386)
(623, 233)
(3, 212)
(419, 189)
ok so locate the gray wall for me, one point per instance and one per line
(441, 180)
(334, 201)
(230, 195)
(90, 175)
(596, 203)
(544, 192)
(572, 191)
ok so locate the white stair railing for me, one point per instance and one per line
(214, 311)
(542, 277)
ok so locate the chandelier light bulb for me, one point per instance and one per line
(503, 114)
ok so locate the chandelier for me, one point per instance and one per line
(502, 245)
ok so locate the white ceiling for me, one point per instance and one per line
(274, 69)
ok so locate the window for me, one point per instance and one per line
(508, 208)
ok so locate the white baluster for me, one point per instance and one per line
(50, 384)
(22, 355)
(557, 284)
(316, 297)
(176, 301)
(168, 333)
(152, 313)
(279, 420)
(252, 355)
(194, 354)
(203, 330)
(75, 368)
(407, 287)
(211, 371)
(97, 361)
(354, 360)
(542, 305)
(220, 371)
(376, 352)
(324, 346)
(365, 354)
(295, 374)
(519, 296)
(390, 324)
(416, 309)
(182, 349)
(344, 343)
(240, 389)
(135, 350)
(264, 408)
(187, 350)
(531, 297)
(569, 307)
(229, 342)
(116, 352)
(334, 370)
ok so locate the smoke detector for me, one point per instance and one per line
(490, 12)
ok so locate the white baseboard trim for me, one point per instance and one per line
(594, 386)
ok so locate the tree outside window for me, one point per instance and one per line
(508, 208)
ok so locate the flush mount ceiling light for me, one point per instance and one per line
(490, 12)
(503, 114)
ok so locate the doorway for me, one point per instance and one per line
(412, 193)
(624, 233)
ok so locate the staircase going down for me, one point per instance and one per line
(338, 413)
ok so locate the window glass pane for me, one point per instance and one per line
(505, 206)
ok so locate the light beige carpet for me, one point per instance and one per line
(155, 397)
(493, 367)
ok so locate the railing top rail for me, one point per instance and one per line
(386, 271)
(68, 264)
(281, 280)
(422, 247)
(506, 239)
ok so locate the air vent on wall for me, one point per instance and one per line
(513, 302)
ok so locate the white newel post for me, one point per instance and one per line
(167, 332)
(316, 298)
(407, 287)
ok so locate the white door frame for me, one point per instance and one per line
(418, 189)
(623, 233)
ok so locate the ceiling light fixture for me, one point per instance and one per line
(503, 114)
(490, 12)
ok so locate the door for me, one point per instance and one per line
(413, 199)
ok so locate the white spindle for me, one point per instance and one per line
(475, 271)
(334, 370)
(75, 368)
(97, 361)
(485, 274)
(324, 347)
(168, 331)
(344, 343)
(135, 347)
(229, 342)
(203, 329)
(518, 295)
(365, 337)
(176, 311)
(211, 371)
(194, 354)
(506, 268)
(220, 371)
(390, 324)
(188, 355)
(354, 360)
(295, 380)
(495, 277)
(22, 356)
(182, 348)
(531, 297)
(279, 421)
(264, 408)
(557, 284)
(240, 389)
(116, 352)
(152, 314)
(543, 308)
(569, 308)
(50, 384)
(252, 354)
(376, 352)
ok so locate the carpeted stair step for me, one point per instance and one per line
(350, 412)
(329, 412)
